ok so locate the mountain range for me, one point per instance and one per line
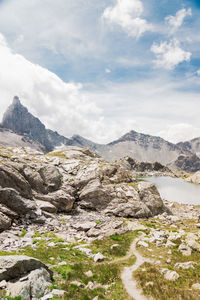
(20, 128)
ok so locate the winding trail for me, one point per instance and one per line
(128, 280)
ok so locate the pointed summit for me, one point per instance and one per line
(18, 119)
(16, 100)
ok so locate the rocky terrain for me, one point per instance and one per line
(75, 226)
(8, 138)
(69, 220)
(188, 163)
(141, 147)
(35, 186)
(192, 146)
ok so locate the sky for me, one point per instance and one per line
(102, 68)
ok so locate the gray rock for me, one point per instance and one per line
(11, 177)
(51, 177)
(143, 244)
(196, 286)
(15, 266)
(93, 196)
(169, 275)
(59, 293)
(35, 180)
(194, 245)
(11, 198)
(46, 206)
(185, 266)
(98, 257)
(5, 222)
(151, 197)
(185, 249)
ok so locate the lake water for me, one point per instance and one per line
(177, 190)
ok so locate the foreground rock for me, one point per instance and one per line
(24, 276)
(34, 187)
(195, 178)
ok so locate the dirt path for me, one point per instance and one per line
(129, 282)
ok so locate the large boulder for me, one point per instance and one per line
(63, 200)
(16, 266)
(10, 177)
(24, 276)
(35, 180)
(51, 177)
(94, 196)
(12, 199)
(33, 286)
(5, 222)
(124, 200)
(195, 178)
(150, 196)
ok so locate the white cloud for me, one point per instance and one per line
(198, 72)
(64, 28)
(102, 113)
(176, 21)
(61, 106)
(169, 55)
(107, 71)
(127, 14)
(180, 132)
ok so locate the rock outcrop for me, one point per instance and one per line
(24, 276)
(188, 163)
(8, 138)
(35, 186)
(192, 146)
(19, 120)
(195, 178)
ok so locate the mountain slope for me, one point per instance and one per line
(9, 138)
(142, 147)
(18, 119)
(192, 145)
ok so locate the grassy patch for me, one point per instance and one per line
(24, 232)
(162, 289)
(134, 185)
(69, 264)
(59, 154)
(153, 283)
(105, 246)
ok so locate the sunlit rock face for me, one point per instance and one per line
(35, 186)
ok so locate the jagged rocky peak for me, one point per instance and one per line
(18, 119)
(16, 100)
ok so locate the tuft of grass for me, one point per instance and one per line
(115, 237)
(134, 185)
(59, 154)
(24, 232)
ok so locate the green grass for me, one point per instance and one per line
(150, 273)
(167, 290)
(24, 232)
(59, 154)
(104, 246)
(134, 185)
(77, 264)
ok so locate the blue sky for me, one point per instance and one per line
(137, 62)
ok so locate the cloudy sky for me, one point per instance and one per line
(103, 68)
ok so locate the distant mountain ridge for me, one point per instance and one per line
(192, 145)
(142, 147)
